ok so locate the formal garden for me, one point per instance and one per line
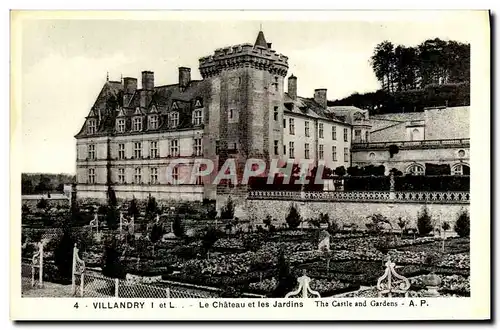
(189, 244)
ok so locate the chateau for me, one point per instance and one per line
(240, 110)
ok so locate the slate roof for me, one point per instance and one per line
(162, 100)
(308, 107)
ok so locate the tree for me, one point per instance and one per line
(286, 280)
(227, 211)
(178, 227)
(424, 222)
(445, 226)
(462, 226)
(112, 265)
(293, 219)
(133, 209)
(402, 225)
(209, 238)
(112, 217)
(151, 207)
(382, 62)
(156, 234)
(63, 255)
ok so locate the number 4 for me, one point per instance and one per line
(76, 305)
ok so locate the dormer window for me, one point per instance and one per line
(137, 124)
(198, 117)
(174, 119)
(120, 125)
(92, 126)
(153, 122)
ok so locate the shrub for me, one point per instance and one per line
(42, 204)
(178, 227)
(112, 266)
(286, 280)
(293, 219)
(209, 238)
(424, 222)
(267, 221)
(333, 227)
(340, 171)
(462, 226)
(112, 217)
(227, 211)
(151, 206)
(133, 209)
(377, 223)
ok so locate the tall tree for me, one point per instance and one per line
(382, 62)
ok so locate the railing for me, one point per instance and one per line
(413, 144)
(365, 196)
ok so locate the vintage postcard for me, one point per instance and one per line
(204, 165)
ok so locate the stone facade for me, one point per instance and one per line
(240, 110)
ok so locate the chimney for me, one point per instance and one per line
(320, 97)
(148, 80)
(129, 88)
(184, 77)
(292, 87)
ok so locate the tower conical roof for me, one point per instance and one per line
(261, 40)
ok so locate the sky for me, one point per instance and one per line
(64, 63)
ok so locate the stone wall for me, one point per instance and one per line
(345, 212)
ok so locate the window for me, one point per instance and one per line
(121, 175)
(461, 153)
(306, 151)
(199, 180)
(138, 176)
(174, 119)
(284, 149)
(137, 150)
(320, 130)
(91, 126)
(153, 122)
(137, 124)
(415, 135)
(175, 174)
(291, 123)
(217, 146)
(345, 135)
(276, 152)
(334, 153)
(198, 117)
(275, 113)
(334, 132)
(321, 152)
(357, 135)
(415, 169)
(460, 169)
(174, 148)
(284, 123)
(153, 149)
(346, 154)
(367, 136)
(91, 151)
(231, 113)
(197, 147)
(121, 151)
(153, 173)
(371, 155)
(291, 149)
(120, 125)
(306, 126)
(91, 175)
